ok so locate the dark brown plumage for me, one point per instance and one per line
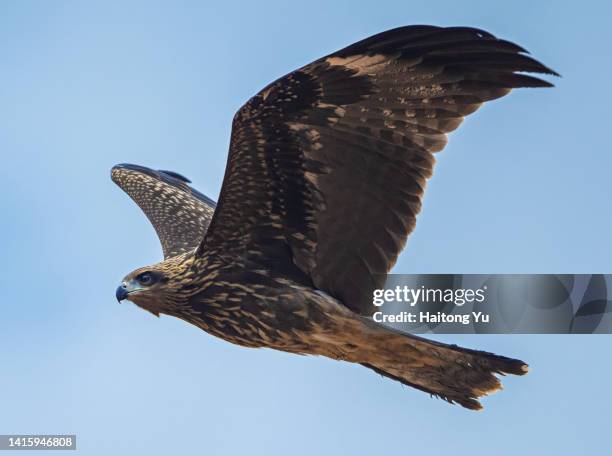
(324, 180)
(179, 213)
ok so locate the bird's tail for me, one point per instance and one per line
(455, 374)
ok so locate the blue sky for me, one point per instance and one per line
(522, 187)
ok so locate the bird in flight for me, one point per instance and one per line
(326, 172)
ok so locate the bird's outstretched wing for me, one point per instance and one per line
(179, 213)
(328, 164)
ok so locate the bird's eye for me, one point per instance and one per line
(146, 278)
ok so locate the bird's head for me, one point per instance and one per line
(156, 288)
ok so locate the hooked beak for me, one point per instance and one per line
(121, 292)
(124, 290)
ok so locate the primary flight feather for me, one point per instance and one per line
(325, 175)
